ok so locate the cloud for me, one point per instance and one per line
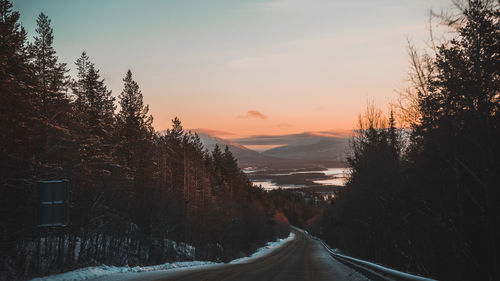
(334, 133)
(253, 114)
(263, 147)
(217, 133)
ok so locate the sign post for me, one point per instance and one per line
(53, 203)
(53, 214)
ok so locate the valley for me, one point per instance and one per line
(305, 162)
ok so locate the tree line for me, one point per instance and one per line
(426, 199)
(137, 196)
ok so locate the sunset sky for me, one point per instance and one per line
(246, 67)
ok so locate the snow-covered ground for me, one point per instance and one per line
(270, 246)
(115, 273)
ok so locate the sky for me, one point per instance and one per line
(249, 67)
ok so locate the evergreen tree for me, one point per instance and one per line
(393, 135)
(78, 85)
(49, 73)
(134, 125)
(18, 120)
(177, 129)
(134, 150)
(18, 127)
(50, 79)
(437, 208)
(94, 103)
(93, 123)
(457, 142)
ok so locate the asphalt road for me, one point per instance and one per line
(300, 259)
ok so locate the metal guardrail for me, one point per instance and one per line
(374, 270)
(383, 273)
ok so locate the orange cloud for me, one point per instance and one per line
(253, 114)
(217, 133)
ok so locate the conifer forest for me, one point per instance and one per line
(422, 195)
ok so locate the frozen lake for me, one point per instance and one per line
(270, 185)
(336, 176)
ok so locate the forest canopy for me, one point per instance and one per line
(137, 196)
(425, 199)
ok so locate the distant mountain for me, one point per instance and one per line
(324, 149)
(241, 153)
(304, 146)
(298, 150)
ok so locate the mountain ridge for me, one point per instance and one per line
(307, 146)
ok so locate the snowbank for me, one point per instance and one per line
(94, 272)
(124, 272)
(270, 246)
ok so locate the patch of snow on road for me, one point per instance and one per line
(270, 246)
(105, 272)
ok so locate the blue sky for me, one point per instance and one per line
(307, 65)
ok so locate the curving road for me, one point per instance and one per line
(299, 259)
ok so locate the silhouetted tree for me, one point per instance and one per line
(431, 205)
(19, 125)
(457, 142)
(134, 126)
(94, 102)
(18, 105)
(51, 80)
(136, 197)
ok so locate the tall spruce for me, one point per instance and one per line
(78, 85)
(459, 135)
(134, 127)
(50, 74)
(18, 126)
(92, 127)
(94, 103)
(50, 85)
(17, 104)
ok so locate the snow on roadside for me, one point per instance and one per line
(104, 271)
(93, 272)
(270, 246)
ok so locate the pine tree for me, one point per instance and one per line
(18, 126)
(218, 158)
(50, 78)
(18, 121)
(78, 85)
(394, 137)
(49, 73)
(94, 103)
(134, 125)
(459, 136)
(177, 132)
(93, 117)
